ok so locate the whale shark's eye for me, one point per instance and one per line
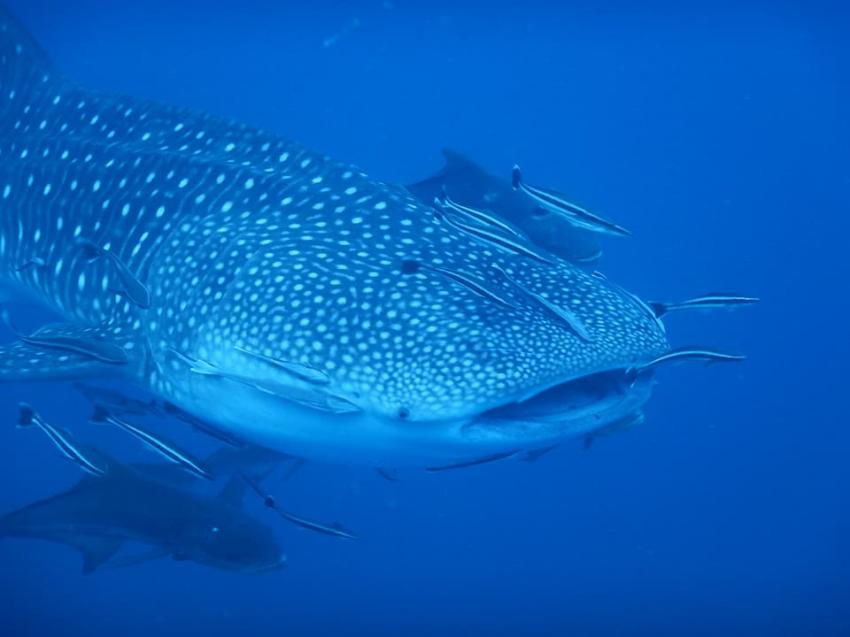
(403, 413)
(408, 266)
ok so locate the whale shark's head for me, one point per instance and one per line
(370, 303)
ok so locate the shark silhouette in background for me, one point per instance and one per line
(148, 505)
(291, 300)
(464, 180)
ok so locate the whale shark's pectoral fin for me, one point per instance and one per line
(64, 351)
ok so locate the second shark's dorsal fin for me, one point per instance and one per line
(233, 492)
(457, 162)
(456, 167)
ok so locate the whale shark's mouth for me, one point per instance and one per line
(569, 397)
(573, 408)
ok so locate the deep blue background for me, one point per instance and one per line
(720, 136)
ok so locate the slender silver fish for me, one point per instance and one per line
(70, 339)
(507, 242)
(473, 463)
(692, 353)
(132, 287)
(710, 301)
(555, 202)
(481, 216)
(62, 439)
(334, 528)
(478, 287)
(167, 450)
(567, 316)
(202, 426)
(302, 372)
(118, 402)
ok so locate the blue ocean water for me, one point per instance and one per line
(719, 135)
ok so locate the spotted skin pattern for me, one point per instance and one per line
(247, 241)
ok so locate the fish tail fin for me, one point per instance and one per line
(90, 251)
(659, 309)
(26, 415)
(516, 177)
(100, 415)
(25, 68)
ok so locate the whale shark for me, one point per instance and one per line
(288, 297)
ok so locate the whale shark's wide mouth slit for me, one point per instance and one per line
(570, 399)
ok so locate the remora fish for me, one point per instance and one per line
(134, 289)
(97, 516)
(166, 449)
(84, 342)
(203, 427)
(480, 216)
(88, 461)
(118, 402)
(247, 240)
(476, 188)
(692, 353)
(334, 529)
(556, 203)
(710, 301)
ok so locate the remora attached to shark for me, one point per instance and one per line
(278, 294)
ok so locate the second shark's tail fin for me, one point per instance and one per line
(25, 69)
